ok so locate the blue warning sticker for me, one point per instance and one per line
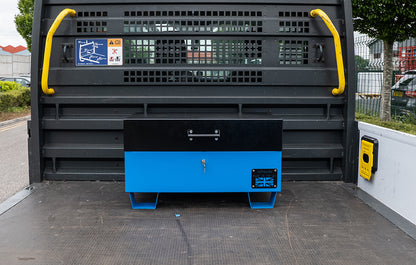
(96, 52)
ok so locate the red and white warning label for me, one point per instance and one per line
(115, 52)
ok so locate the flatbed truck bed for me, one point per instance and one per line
(92, 223)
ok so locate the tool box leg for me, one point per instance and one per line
(143, 205)
(263, 205)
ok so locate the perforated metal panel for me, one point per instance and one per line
(248, 57)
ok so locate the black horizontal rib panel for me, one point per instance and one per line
(104, 123)
(113, 77)
(117, 151)
(192, 100)
(84, 150)
(93, 173)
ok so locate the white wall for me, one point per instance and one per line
(20, 63)
(5, 66)
(394, 183)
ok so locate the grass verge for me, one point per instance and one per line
(394, 124)
(13, 113)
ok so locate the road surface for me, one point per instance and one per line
(14, 173)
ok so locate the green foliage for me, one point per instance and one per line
(15, 98)
(361, 63)
(8, 85)
(395, 124)
(16, 110)
(24, 20)
(388, 20)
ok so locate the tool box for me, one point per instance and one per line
(202, 154)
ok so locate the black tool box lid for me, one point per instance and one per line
(196, 132)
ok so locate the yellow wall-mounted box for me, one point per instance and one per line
(368, 156)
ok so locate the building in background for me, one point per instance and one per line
(14, 61)
(404, 55)
(376, 54)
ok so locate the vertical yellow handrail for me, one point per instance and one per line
(338, 50)
(48, 46)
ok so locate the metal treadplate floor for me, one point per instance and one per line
(93, 223)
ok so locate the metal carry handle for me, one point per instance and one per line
(338, 50)
(193, 135)
(48, 47)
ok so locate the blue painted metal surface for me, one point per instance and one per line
(263, 205)
(143, 205)
(171, 172)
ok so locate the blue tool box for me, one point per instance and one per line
(197, 154)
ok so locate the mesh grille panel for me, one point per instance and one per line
(294, 26)
(86, 24)
(293, 52)
(196, 51)
(193, 77)
(193, 21)
(289, 22)
(187, 25)
(189, 13)
(91, 26)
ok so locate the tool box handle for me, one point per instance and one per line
(191, 134)
(48, 46)
(338, 50)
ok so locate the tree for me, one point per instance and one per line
(361, 63)
(24, 20)
(389, 21)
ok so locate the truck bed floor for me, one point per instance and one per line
(93, 223)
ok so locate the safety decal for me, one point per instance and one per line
(99, 52)
(115, 51)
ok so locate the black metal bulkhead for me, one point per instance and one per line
(265, 58)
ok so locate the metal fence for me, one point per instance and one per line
(369, 76)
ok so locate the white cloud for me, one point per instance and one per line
(8, 32)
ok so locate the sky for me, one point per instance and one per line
(8, 32)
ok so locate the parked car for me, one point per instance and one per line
(403, 100)
(23, 80)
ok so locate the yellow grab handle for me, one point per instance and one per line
(338, 51)
(48, 46)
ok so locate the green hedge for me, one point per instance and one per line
(15, 98)
(8, 85)
(398, 125)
